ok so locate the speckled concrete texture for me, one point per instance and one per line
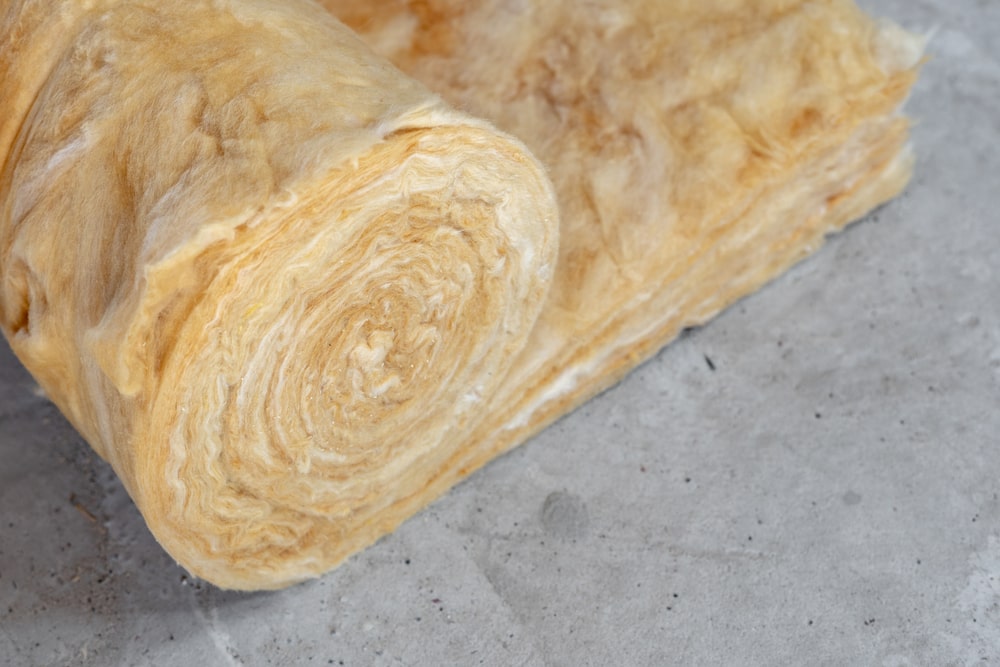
(827, 494)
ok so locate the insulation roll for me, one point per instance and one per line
(292, 296)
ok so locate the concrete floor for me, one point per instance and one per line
(827, 495)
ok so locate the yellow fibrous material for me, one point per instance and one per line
(293, 296)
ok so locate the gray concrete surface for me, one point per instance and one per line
(828, 495)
